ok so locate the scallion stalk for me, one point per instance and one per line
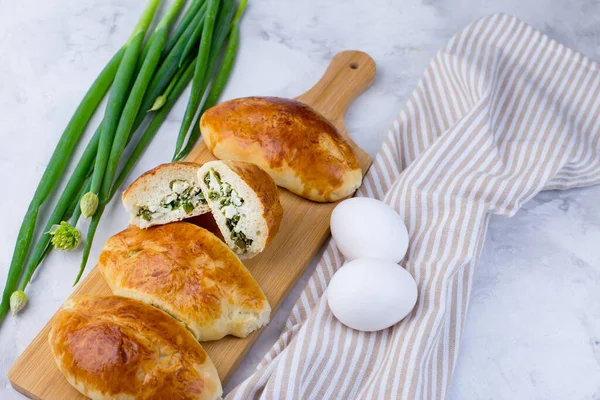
(222, 76)
(60, 212)
(200, 72)
(149, 133)
(162, 99)
(132, 107)
(167, 21)
(227, 65)
(191, 44)
(160, 32)
(54, 170)
(126, 109)
(170, 65)
(187, 19)
(127, 121)
(117, 97)
(157, 120)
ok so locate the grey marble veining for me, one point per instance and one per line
(533, 328)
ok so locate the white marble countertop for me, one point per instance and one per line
(533, 329)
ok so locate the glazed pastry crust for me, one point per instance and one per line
(111, 347)
(297, 146)
(188, 272)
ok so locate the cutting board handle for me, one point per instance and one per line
(349, 74)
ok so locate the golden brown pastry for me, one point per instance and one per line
(188, 272)
(111, 347)
(297, 146)
(244, 201)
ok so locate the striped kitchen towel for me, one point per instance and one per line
(501, 113)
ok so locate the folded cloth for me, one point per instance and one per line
(501, 113)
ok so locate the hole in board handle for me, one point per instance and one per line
(354, 65)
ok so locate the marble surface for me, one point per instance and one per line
(533, 329)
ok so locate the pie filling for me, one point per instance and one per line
(184, 195)
(230, 204)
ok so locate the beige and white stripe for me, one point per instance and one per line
(501, 113)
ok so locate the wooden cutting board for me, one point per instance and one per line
(304, 229)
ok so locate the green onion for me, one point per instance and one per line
(118, 95)
(91, 232)
(159, 102)
(170, 65)
(126, 123)
(43, 247)
(222, 27)
(64, 236)
(162, 99)
(127, 107)
(220, 79)
(77, 178)
(167, 20)
(17, 301)
(189, 46)
(151, 130)
(185, 22)
(88, 204)
(228, 60)
(153, 127)
(54, 170)
(72, 192)
(74, 211)
(132, 107)
(81, 171)
(200, 72)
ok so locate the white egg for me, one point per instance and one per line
(370, 295)
(365, 227)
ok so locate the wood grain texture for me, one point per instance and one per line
(304, 229)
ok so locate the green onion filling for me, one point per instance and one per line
(229, 202)
(184, 196)
(145, 213)
(240, 240)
